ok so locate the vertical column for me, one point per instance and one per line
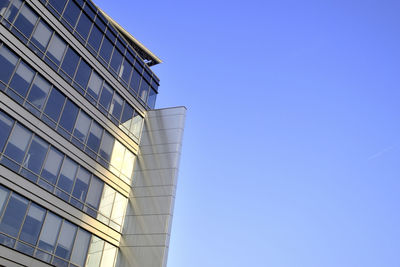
(147, 226)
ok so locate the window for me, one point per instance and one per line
(135, 81)
(95, 84)
(41, 36)
(95, 252)
(14, 215)
(80, 248)
(94, 193)
(3, 197)
(70, 62)
(13, 10)
(126, 71)
(94, 137)
(108, 255)
(81, 184)
(52, 165)
(54, 104)
(6, 124)
(22, 79)
(95, 38)
(106, 49)
(33, 222)
(127, 116)
(38, 93)
(144, 90)
(49, 232)
(127, 166)
(116, 61)
(82, 127)
(18, 143)
(71, 13)
(25, 21)
(69, 115)
(58, 5)
(83, 26)
(56, 49)
(83, 74)
(67, 175)
(116, 107)
(151, 102)
(36, 155)
(106, 97)
(7, 61)
(106, 147)
(66, 240)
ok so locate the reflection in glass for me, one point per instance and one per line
(80, 248)
(22, 79)
(13, 215)
(56, 49)
(39, 91)
(49, 232)
(7, 62)
(5, 125)
(36, 154)
(94, 85)
(67, 175)
(54, 105)
(95, 251)
(33, 223)
(18, 143)
(66, 239)
(52, 165)
(25, 21)
(41, 36)
(82, 126)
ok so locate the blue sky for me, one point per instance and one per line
(292, 141)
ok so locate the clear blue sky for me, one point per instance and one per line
(292, 142)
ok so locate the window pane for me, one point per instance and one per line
(69, 115)
(95, 252)
(13, 10)
(95, 38)
(33, 223)
(119, 207)
(106, 148)
(106, 96)
(82, 126)
(116, 106)
(95, 84)
(116, 61)
(94, 138)
(127, 116)
(136, 127)
(127, 166)
(80, 247)
(94, 194)
(7, 62)
(66, 239)
(117, 157)
(3, 6)
(3, 197)
(108, 255)
(144, 90)
(84, 25)
(39, 91)
(106, 49)
(151, 102)
(36, 155)
(18, 143)
(26, 21)
(67, 175)
(70, 62)
(135, 81)
(126, 71)
(55, 104)
(14, 215)
(22, 79)
(83, 74)
(56, 49)
(71, 13)
(41, 36)
(49, 232)
(52, 165)
(6, 124)
(81, 184)
(107, 200)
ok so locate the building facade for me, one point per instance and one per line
(88, 167)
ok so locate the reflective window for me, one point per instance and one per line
(83, 74)
(95, 38)
(26, 21)
(33, 222)
(94, 253)
(67, 175)
(81, 184)
(3, 6)
(106, 204)
(6, 124)
(18, 143)
(22, 79)
(106, 96)
(127, 116)
(49, 232)
(56, 49)
(80, 248)
(116, 106)
(71, 13)
(52, 165)
(116, 61)
(70, 62)
(119, 207)
(66, 239)
(14, 215)
(38, 93)
(69, 115)
(7, 61)
(126, 71)
(135, 81)
(127, 166)
(41, 36)
(106, 49)
(13, 10)
(36, 155)
(95, 84)
(136, 127)
(82, 126)
(94, 193)
(151, 102)
(58, 5)
(54, 105)
(106, 147)
(94, 138)
(3, 198)
(117, 157)
(83, 26)
(108, 255)
(144, 90)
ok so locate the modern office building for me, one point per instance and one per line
(88, 167)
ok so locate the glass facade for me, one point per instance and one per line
(101, 39)
(35, 159)
(37, 232)
(49, 104)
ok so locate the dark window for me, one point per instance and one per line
(94, 193)
(106, 148)
(95, 38)
(58, 5)
(22, 79)
(116, 61)
(83, 74)
(5, 125)
(135, 81)
(94, 137)
(106, 96)
(71, 13)
(33, 222)
(3, 6)
(54, 104)
(25, 21)
(84, 25)
(144, 90)
(70, 62)
(126, 71)
(79, 253)
(69, 115)
(151, 102)
(13, 10)
(127, 116)
(36, 155)
(7, 62)
(116, 106)
(14, 215)
(106, 49)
